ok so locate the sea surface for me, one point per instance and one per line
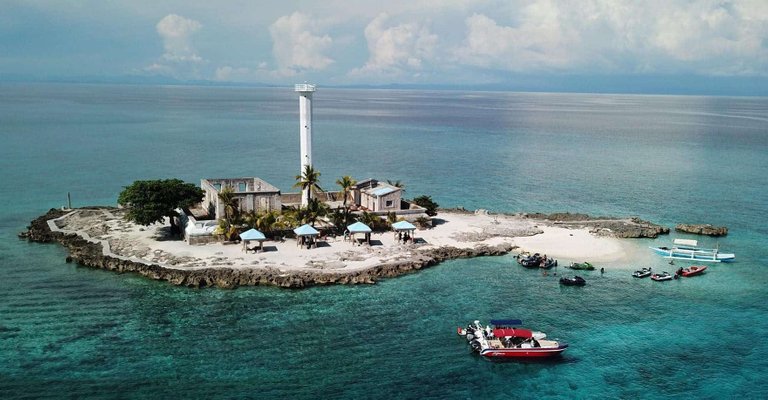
(73, 332)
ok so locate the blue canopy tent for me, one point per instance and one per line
(359, 227)
(404, 226)
(252, 234)
(305, 235)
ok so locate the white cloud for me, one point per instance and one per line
(297, 46)
(715, 37)
(542, 40)
(394, 50)
(176, 32)
(604, 36)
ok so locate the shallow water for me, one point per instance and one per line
(68, 330)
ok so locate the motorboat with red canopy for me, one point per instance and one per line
(502, 339)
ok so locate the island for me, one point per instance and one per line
(101, 237)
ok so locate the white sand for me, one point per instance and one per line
(128, 240)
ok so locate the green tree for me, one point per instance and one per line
(309, 179)
(391, 218)
(150, 201)
(426, 202)
(423, 222)
(372, 220)
(267, 221)
(315, 209)
(346, 183)
(397, 184)
(231, 206)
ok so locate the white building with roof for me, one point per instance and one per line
(377, 196)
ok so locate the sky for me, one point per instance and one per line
(579, 45)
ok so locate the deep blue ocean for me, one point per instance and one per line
(73, 332)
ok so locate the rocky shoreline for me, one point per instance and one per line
(702, 229)
(91, 255)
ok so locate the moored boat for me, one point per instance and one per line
(642, 273)
(684, 249)
(692, 270)
(505, 341)
(575, 281)
(664, 276)
(536, 260)
(582, 266)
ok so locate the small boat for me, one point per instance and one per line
(642, 273)
(692, 270)
(536, 261)
(504, 341)
(582, 266)
(664, 276)
(684, 249)
(575, 281)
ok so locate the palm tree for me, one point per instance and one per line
(228, 199)
(391, 218)
(346, 183)
(267, 221)
(315, 209)
(309, 180)
(372, 220)
(251, 219)
(290, 218)
(397, 184)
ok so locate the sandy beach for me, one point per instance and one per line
(150, 244)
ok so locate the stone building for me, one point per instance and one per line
(377, 196)
(251, 194)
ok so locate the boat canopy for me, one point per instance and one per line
(686, 242)
(506, 322)
(512, 332)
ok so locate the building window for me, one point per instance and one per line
(241, 187)
(389, 204)
(217, 186)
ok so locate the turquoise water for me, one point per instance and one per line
(68, 331)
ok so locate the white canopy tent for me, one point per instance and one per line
(359, 227)
(305, 234)
(250, 235)
(404, 230)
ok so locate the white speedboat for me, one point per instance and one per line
(504, 341)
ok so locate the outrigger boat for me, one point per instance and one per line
(505, 341)
(685, 249)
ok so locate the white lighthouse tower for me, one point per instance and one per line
(305, 129)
